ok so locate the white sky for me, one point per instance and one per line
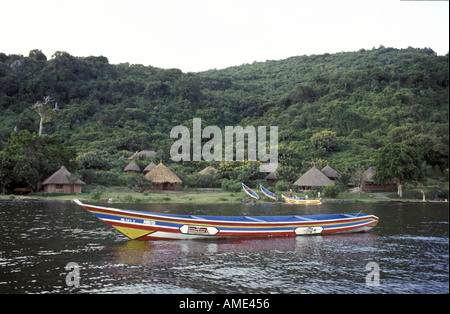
(197, 35)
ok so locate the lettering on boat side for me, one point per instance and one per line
(127, 220)
(144, 222)
(198, 230)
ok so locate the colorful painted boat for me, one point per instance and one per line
(250, 192)
(292, 200)
(148, 226)
(267, 193)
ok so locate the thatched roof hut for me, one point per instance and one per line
(132, 168)
(313, 177)
(369, 182)
(163, 178)
(149, 167)
(62, 181)
(368, 175)
(208, 170)
(330, 172)
(271, 178)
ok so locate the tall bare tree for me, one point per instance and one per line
(46, 110)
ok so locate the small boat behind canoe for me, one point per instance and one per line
(291, 200)
(153, 226)
(250, 192)
(267, 193)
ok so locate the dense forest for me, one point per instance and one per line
(335, 109)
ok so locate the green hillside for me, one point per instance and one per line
(333, 108)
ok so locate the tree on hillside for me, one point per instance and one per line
(325, 140)
(357, 178)
(46, 110)
(429, 139)
(398, 162)
(16, 171)
(35, 157)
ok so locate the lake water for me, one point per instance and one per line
(408, 252)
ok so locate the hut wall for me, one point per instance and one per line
(164, 186)
(379, 187)
(132, 172)
(62, 188)
(272, 182)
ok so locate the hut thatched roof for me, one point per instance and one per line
(162, 174)
(330, 172)
(208, 170)
(132, 166)
(313, 177)
(368, 174)
(149, 167)
(61, 176)
(272, 175)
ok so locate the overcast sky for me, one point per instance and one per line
(196, 35)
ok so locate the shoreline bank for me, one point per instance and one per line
(201, 196)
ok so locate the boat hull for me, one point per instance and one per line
(291, 200)
(250, 192)
(149, 226)
(268, 194)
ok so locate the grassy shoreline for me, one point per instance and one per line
(205, 196)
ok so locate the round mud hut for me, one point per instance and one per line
(312, 177)
(163, 178)
(62, 181)
(132, 168)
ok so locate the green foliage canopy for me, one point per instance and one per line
(34, 158)
(366, 99)
(400, 163)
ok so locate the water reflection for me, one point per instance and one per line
(410, 244)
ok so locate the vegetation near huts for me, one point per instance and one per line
(338, 109)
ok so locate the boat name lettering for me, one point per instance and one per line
(127, 220)
(197, 230)
(149, 222)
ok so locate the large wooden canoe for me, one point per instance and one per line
(148, 226)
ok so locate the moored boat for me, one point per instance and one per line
(268, 194)
(250, 192)
(292, 200)
(148, 226)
